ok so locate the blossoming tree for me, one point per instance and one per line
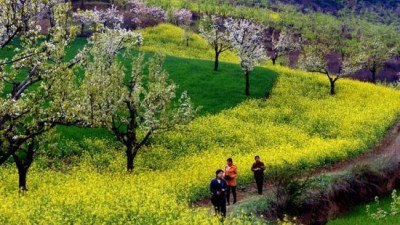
(182, 17)
(325, 36)
(380, 43)
(245, 38)
(214, 31)
(134, 109)
(37, 85)
(144, 15)
(285, 43)
(111, 17)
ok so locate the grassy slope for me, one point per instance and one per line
(167, 38)
(213, 91)
(293, 125)
(301, 123)
(359, 216)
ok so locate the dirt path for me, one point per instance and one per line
(388, 148)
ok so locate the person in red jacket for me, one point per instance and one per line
(230, 177)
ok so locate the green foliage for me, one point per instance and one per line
(382, 214)
(380, 211)
(212, 91)
(260, 204)
(37, 84)
(291, 184)
(224, 7)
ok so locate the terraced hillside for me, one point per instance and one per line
(300, 123)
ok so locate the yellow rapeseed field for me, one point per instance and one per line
(300, 123)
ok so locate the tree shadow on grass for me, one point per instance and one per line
(217, 91)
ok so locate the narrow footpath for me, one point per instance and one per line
(387, 148)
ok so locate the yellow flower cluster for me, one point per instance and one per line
(301, 124)
(83, 196)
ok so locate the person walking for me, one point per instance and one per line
(218, 189)
(258, 170)
(230, 177)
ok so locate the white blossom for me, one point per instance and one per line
(245, 38)
(182, 16)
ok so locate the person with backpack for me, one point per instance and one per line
(218, 187)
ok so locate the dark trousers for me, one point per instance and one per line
(228, 193)
(259, 182)
(219, 205)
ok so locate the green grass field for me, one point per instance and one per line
(359, 216)
(210, 90)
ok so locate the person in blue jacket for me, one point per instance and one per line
(218, 189)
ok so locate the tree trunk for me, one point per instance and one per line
(22, 166)
(52, 22)
(82, 29)
(131, 152)
(51, 17)
(131, 141)
(22, 172)
(187, 42)
(82, 4)
(216, 62)
(247, 83)
(373, 71)
(129, 159)
(332, 86)
(274, 58)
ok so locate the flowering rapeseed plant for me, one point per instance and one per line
(293, 125)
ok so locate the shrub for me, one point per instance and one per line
(382, 214)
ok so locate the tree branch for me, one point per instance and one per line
(23, 86)
(4, 157)
(120, 135)
(144, 140)
(19, 59)
(10, 38)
